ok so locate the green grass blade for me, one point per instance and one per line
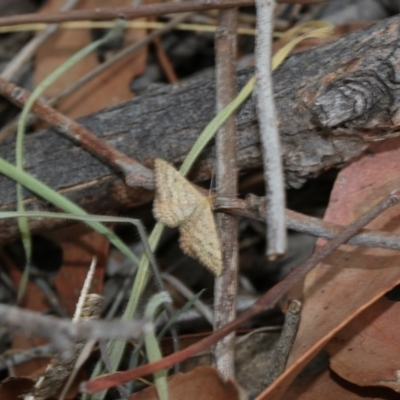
(152, 346)
(19, 151)
(63, 203)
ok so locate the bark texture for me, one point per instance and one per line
(330, 100)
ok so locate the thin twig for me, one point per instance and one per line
(225, 289)
(26, 53)
(254, 207)
(270, 142)
(285, 342)
(135, 173)
(164, 61)
(63, 332)
(267, 301)
(282, 349)
(131, 12)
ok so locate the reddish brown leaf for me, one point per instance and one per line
(352, 278)
(78, 251)
(13, 388)
(367, 350)
(203, 383)
(326, 386)
(33, 300)
(110, 87)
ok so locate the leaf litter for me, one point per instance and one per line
(352, 278)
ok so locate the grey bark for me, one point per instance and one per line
(331, 101)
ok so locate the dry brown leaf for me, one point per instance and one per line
(327, 386)
(203, 383)
(79, 247)
(78, 251)
(367, 350)
(14, 388)
(352, 278)
(178, 204)
(33, 300)
(110, 87)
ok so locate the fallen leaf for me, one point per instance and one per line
(203, 383)
(78, 247)
(328, 386)
(14, 388)
(352, 278)
(367, 350)
(110, 87)
(33, 300)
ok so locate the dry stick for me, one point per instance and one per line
(225, 290)
(282, 349)
(267, 301)
(254, 208)
(270, 142)
(130, 12)
(285, 343)
(11, 127)
(26, 53)
(62, 332)
(165, 63)
(135, 173)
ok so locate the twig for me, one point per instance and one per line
(30, 48)
(131, 12)
(225, 289)
(254, 207)
(282, 348)
(63, 332)
(270, 142)
(135, 173)
(267, 301)
(164, 61)
(10, 128)
(285, 343)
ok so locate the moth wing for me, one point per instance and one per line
(199, 238)
(175, 198)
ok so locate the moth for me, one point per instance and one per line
(178, 204)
